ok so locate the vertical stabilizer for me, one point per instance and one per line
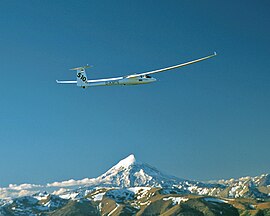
(81, 76)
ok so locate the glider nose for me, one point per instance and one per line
(154, 79)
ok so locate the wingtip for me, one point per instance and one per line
(215, 53)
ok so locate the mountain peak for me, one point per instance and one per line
(126, 162)
(130, 173)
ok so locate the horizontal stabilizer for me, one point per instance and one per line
(80, 68)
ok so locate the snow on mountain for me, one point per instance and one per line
(253, 187)
(126, 173)
(130, 173)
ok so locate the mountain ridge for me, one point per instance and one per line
(129, 172)
(133, 187)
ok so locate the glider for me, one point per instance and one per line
(132, 79)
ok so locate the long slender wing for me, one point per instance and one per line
(172, 67)
(66, 82)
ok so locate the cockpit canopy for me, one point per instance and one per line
(145, 76)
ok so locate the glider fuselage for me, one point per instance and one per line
(121, 81)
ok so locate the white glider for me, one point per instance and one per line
(133, 79)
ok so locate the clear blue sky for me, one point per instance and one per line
(210, 120)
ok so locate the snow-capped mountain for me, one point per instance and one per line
(131, 173)
(130, 182)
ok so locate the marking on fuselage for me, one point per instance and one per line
(112, 83)
(82, 77)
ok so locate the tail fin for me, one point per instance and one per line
(81, 76)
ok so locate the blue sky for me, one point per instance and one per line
(205, 121)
